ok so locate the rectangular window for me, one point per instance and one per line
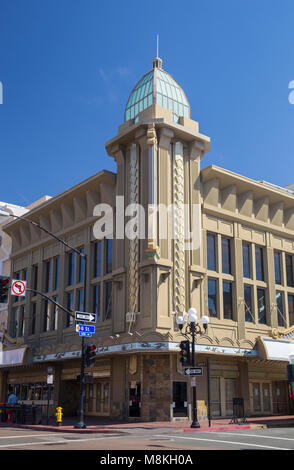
(70, 307)
(97, 259)
(56, 273)
(54, 313)
(46, 315)
(81, 265)
(71, 269)
(291, 309)
(289, 270)
(226, 255)
(211, 252)
(277, 259)
(246, 260)
(80, 305)
(212, 297)
(248, 303)
(108, 255)
(14, 322)
(280, 308)
(261, 306)
(47, 286)
(21, 321)
(96, 301)
(259, 263)
(33, 318)
(228, 303)
(108, 300)
(35, 278)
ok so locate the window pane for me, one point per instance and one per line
(35, 278)
(81, 300)
(226, 255)
(56, 273)
(211, 252)
(259, 263)
(248, 303)
(108, 255)
(261, 306)
(46, 315)
(227, 296)
(291, 309)
(280, 308)
(54, 310)
(47, 276)
(96, 301)
(108, 300)
(33, 318)
(70, 306)
(212, 297)
(81, 265)
(71, 268)
(97, 259)
(21, 321)
(289, 270)
(246, 260)
(277, 258)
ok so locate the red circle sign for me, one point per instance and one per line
(18, 288)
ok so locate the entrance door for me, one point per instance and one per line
(179, 399)
(97, 401)
(261, 397)
(135, 400)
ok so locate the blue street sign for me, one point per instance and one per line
(83, 333)
(85, 329)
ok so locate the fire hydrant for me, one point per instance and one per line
(58, 415)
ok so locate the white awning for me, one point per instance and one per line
(277, 349)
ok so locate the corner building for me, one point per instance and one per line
(239, 272)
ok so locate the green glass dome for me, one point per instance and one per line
(157, 87)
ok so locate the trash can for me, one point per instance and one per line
(36, 414)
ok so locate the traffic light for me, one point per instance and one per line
(185, 353)
(90, 354)
(4, 286)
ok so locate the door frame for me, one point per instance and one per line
(261, 412)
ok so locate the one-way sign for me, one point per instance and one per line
(85, 316)
(193, 371)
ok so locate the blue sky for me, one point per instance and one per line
(68, 66)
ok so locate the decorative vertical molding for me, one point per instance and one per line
(133, 244)
(153, 250)
(179, 230)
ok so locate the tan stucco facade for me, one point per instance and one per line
(154, 279)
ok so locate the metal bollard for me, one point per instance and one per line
(58, 415)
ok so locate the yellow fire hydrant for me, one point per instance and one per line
(58, 415)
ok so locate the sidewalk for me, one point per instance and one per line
(106, 426)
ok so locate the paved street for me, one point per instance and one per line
(149, 439)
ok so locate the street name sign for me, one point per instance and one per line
(85, 316)
(192, 371)
(85, 329)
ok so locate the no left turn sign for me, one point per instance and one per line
(18, 288)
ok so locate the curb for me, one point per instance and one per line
(62, 429)
(226, 428)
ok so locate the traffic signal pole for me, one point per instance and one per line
(81, 423)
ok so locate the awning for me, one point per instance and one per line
(12, 356)
(276, 349)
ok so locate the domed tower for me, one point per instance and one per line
(158, 151)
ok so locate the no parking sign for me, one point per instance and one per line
(18, 288)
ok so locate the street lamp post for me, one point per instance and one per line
(193, 328)
(81, 424)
